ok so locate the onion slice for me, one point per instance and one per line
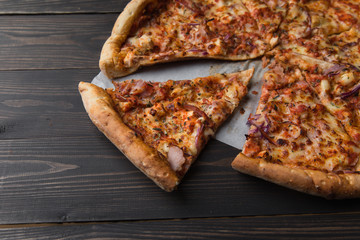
(351, 92)
(334, 70)
(263, 128)
(203, 52)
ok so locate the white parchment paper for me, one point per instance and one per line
(234, 129)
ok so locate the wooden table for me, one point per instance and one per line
(60, 178)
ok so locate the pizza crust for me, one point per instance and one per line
(99, 107)
(109, 60)
(314, 182)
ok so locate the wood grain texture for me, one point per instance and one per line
(60, 6)
(53, 41)
(35, 104)
(330, 226)
(55, 166)
(52, 155)
(88, 179)
(74, 179)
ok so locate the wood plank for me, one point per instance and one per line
(329, 226)
(42, 104)
(88, 179)
(52, 155)
(59, 6)
(53, 41)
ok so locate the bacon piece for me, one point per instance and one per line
(138, 88)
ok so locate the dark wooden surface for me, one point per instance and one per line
(60, 178)
(326, 226)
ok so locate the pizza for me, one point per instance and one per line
(161, 127)
(306, 130)
(305, 133)
(154, 31)
(295, 140)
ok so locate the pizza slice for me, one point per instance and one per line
(161, 127)
(295, 142)
(154, 31)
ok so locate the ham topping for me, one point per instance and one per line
(176, 158)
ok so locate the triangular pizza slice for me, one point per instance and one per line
(161, 127)
(296, 142)
(154, 31)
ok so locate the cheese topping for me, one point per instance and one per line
(293, 127)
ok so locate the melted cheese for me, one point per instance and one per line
(347, 79)
(348, 42)
(294, 127)
(296, 22)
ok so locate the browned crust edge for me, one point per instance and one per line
(99, 107)
(109, 60)
(314, 182)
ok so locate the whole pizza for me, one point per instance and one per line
(305, 133)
